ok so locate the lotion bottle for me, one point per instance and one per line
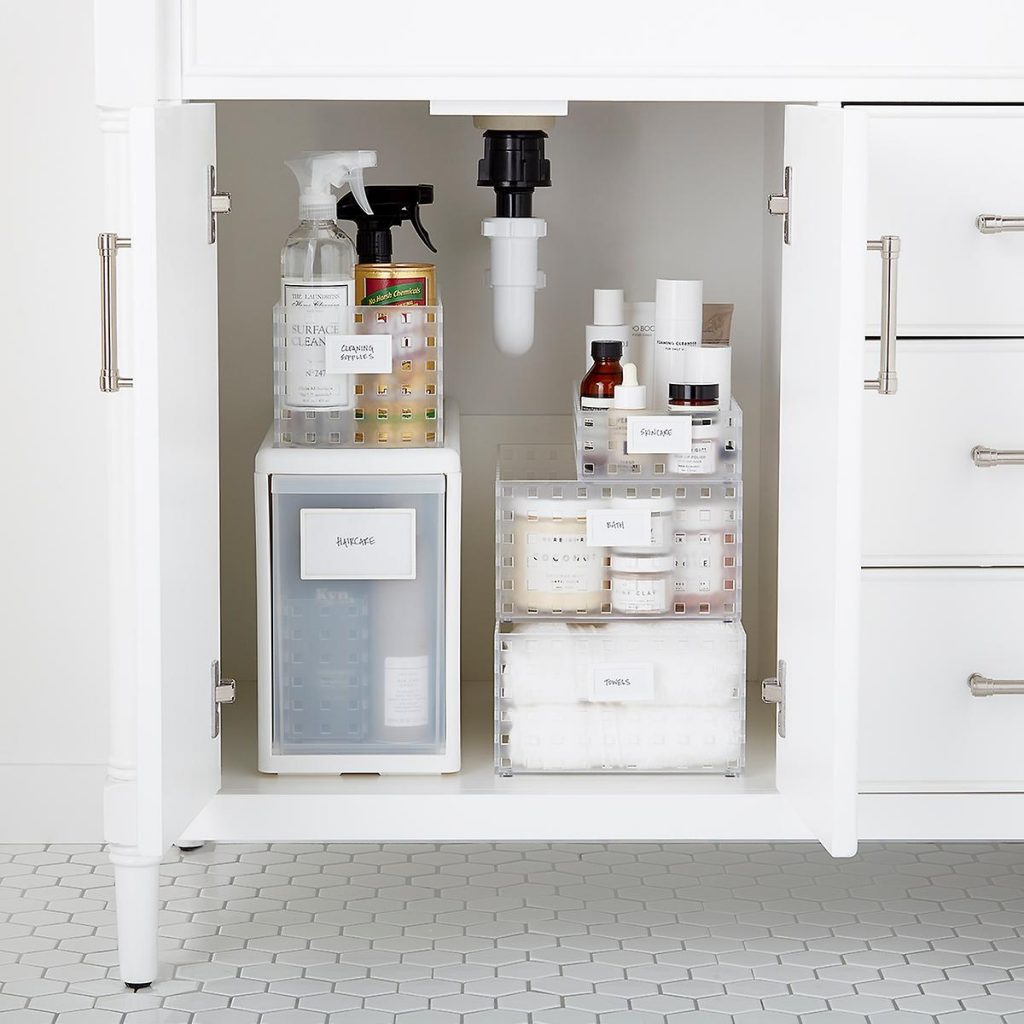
(678, 323)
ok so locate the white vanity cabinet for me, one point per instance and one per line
(172, 779)
(942, 693)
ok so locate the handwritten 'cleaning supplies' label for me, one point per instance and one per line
(406, 692)
(313, 315)
(619, 527)
(359, 353)
(658, 435)
(357, 543)
(621, 684)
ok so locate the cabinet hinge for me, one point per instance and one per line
(779, 203)
(217, 202)
(773, 691)
(222, 691)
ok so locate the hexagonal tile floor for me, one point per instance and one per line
(527, 934)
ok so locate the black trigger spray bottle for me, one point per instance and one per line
(378, 280)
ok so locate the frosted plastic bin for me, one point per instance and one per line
(601, 447)
(397, 404)
(659, 697)
(357, 591)
(587, 549)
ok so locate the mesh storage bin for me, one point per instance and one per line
(585, 549)
(620, 697)
(367, 377)
(602, 439)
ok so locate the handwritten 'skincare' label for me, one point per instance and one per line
(658, 435)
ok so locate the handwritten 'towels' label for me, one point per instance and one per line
(658, 435)
(357, 543)
(621, 684)
(619, 527)
(359, 353)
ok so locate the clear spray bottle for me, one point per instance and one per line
(317, 270)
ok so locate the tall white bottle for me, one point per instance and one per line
(678, 321)
(317, 277)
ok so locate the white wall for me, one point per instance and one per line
(54, 621)
(639, 191)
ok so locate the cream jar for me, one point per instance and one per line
(554, 569)
(641, 584)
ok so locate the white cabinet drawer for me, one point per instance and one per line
(923, 633)
(925, 502)
(931, 172)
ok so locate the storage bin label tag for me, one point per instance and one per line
(658, 435)
(622, 683)
(359, 353)
(357, 543)
(619, 527)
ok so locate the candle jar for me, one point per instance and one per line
(555, 571)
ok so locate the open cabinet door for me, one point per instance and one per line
(176, 486)
(820, 386)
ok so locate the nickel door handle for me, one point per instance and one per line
(982, 686)
(991, 224)
(985, 457)
(889, 248)
(107, 245)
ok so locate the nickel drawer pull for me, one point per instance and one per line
(982, 686)
(107, 245)
(995, 457)
(991, 224)
(885, 382)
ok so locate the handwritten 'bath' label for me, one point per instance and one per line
(621, 684)
(619, 527)
(658, 435)
(359, 353)
(357, 543)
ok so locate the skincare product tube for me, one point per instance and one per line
(678, 322)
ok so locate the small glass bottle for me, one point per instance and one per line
(604, 375)
(700, 402)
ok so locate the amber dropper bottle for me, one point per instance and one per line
(603, 377)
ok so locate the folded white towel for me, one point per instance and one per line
(694, 664)
(596, 737)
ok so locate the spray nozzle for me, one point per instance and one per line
(317, 172)
(392, 205)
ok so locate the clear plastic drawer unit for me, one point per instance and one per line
(620, 697)
(621, 444)
(582, 549)
(357, 562)
(377, 380)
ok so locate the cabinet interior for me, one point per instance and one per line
(639, 191)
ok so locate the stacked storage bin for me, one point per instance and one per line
(618, 645)
(358, 514)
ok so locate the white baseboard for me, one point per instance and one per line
(51, 803)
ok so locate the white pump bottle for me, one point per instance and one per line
(317, 268)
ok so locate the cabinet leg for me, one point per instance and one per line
(137, 895)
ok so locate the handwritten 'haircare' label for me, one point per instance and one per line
(357, 543)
